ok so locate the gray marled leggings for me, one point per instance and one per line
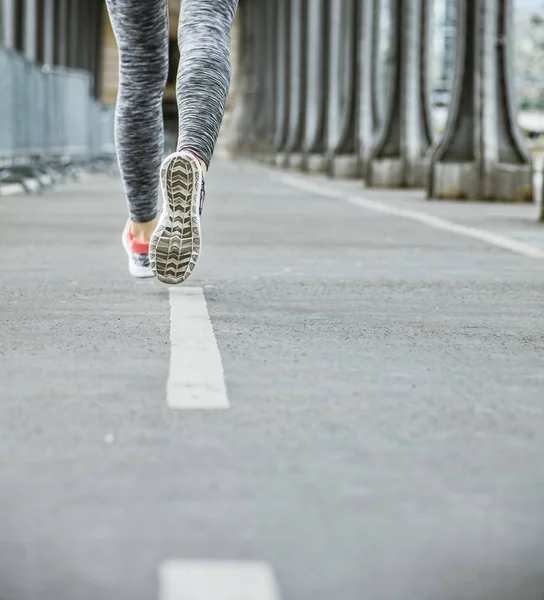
(141, 30)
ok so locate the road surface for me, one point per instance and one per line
(357, 413)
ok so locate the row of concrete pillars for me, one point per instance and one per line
(54, 32)
(312, 98)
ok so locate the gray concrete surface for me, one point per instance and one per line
(385, 440)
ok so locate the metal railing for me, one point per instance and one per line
(50, 124)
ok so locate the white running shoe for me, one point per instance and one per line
(175, 245)
(138, 254)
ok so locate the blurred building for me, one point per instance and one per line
(443, 55)
(529, 57)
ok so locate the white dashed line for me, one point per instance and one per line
(196, 379)
(11, 189)
(482, 235)
(217, 580)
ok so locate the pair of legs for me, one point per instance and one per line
(141, 28)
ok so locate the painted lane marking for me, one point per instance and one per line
(483, 235)
(196, 379)
(217, 580)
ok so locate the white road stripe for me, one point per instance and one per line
(217, 580)
(483, 235)
(11, 189)
(196, 379)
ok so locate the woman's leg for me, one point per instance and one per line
(141, 30)
(204, 72)
(202, 87)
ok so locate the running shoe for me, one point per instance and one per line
(138, 254)
(176, 242)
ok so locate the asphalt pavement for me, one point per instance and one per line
(385, 436)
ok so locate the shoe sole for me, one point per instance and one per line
(140, 272)
(174, 248)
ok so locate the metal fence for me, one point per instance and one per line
(49, 121)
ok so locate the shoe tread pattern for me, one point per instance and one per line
(175, 246)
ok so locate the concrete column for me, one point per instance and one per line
(258, 71)
(366, 58)
(85, 35)
(398, 159)
(251, 59)
(270, 70)
(482, 154)
(48, 32)
(89, 28)
(233, 134)
(8, 23)
(96, 45)
(343, 83)
(239, 131)
(377, 104)
(256, 61)
(77, 31)
(282, 79)
(297, 87)
(74, 35)
(317, 53)
(30, 36)
(61, 32)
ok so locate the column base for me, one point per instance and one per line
(267, 158)
(393, 173)
(295, 161)
(385, 173)
(462, 181)
(282, 160)
(317, 163)
(345, 166)
(455, 181)
(511, 183)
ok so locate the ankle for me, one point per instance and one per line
(142, 232)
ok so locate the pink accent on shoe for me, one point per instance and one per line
(137, 246)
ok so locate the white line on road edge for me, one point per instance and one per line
(437, 223)
(217, 580)
(196, 379)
